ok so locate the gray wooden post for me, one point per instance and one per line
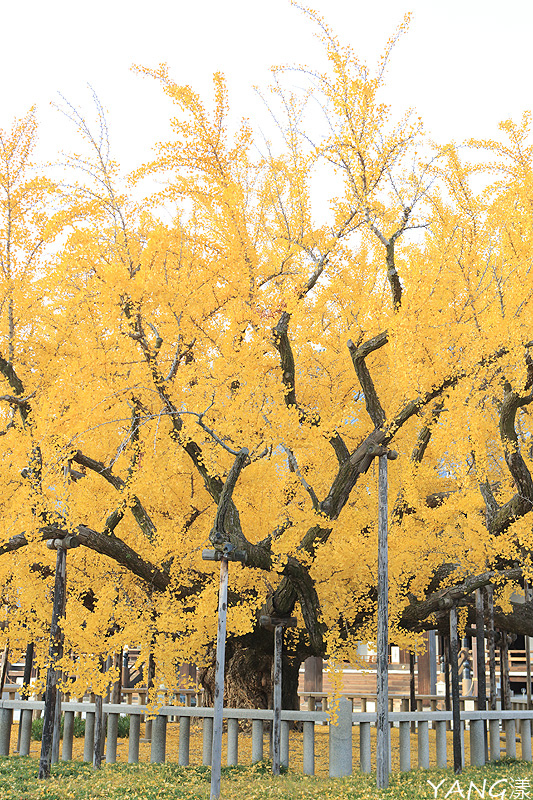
(277, 624)
(456, 709)
(480, 658)
(489, 592)
(276, 723)
(382, 743)
(50, 700)
(527, 593)
(98, 732)
(216, 757)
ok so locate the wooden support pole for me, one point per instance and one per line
(489, 594)
(480, 652)
(3, 669)
(276, 723)
(504, 672)
(480, 660)
(216, 758)
(54, 654)
(527, 598)
(456, 710)
(382, 731)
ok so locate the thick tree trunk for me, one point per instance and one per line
(248, 677)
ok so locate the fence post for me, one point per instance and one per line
(159, 739)
(257, 740)
(477, 742)
(340, 741)
(133, 741)
(364, 747)
(112, 735)
(440, 736)
(25, 731)
(309, 748)
(405, 746)
(6, 720)
(184, 740)
(423, 744)
(525, 727)
(88, 745)
(68, 734)
(207, 745)
(510, 738)
(494, 737)
(233, 742)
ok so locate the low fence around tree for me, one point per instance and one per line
(486, 730)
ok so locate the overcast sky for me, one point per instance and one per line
(464, 64)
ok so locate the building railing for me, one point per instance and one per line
(340, 733)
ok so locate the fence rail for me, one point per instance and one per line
(501, 724)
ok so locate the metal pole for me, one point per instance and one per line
(456, 710)
(216, 758)
(276, 723)
(54, 654)
(382, 744)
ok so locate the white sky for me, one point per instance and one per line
(464, 64)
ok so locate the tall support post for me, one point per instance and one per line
(456, 710)
(54, 654)
(489, 592)
(504, 671)
(277, 624)
(276, 723)
(527, 598)
(382, 731)
(480, 658)
(224, 552)
(216, 762)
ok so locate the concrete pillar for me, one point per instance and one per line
(440, 737)
(423, 744)
(309, 748)
(405, 746)
(207, 743)
(284, 745)
(159, 739)
(525, 727)
(494, 739)
(340, 741)
(510, 738)
(257, 740)
(88, 745)
(184, 741)
(112, 735)
(233, 742)
(68, 734)
(364, 747)
(477, 743)
(135, 735)
(25, 732)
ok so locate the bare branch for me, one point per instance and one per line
(358, 354)
(218, 533)
(295, 468)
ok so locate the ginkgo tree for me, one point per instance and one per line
(225, 322)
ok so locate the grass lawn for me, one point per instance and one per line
(77, 781)
(74, 780)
